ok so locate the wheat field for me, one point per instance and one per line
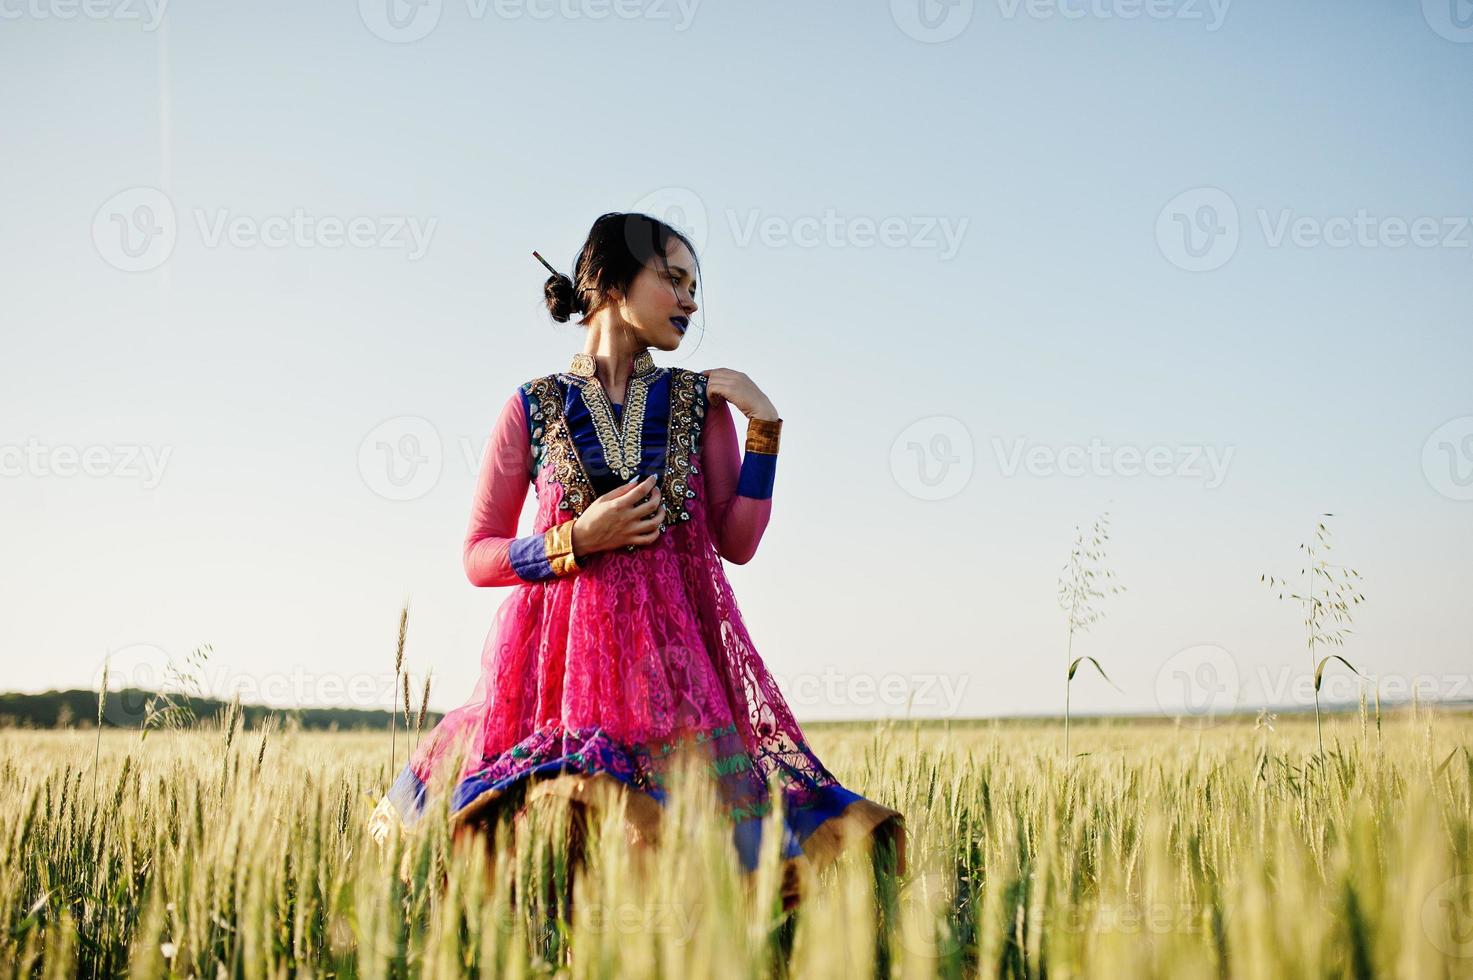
(1158, 850)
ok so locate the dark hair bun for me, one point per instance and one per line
(562, 300)
(619, 246)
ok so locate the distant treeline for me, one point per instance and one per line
(130, 707)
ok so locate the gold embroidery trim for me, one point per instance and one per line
(584, 366)
(763, 435)
(552, 444)
(553, 447)
(558, 543)
(622, 443)
(683, 443)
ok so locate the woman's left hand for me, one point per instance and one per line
(741, 391)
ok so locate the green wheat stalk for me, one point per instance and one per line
(424, 709)
(1327, 595)
(398, 666)
(97, 748)
(1083, 581)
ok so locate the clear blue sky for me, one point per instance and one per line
(1174, 230)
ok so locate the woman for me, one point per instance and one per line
(621, 647)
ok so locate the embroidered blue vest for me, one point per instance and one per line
(591, 447)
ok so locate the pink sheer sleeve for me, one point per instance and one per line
(738, 489)
(494, 555)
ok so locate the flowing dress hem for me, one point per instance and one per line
(810, 847)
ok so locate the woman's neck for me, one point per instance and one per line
(613, 353)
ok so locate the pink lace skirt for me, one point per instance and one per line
(618, 669)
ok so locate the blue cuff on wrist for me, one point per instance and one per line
(529, 558)
(759, 473)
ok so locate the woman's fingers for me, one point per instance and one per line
(653, 503)
(623, 489)
(646, 513)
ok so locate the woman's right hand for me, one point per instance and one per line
(618, 518)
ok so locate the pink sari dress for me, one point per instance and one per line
(600, 670)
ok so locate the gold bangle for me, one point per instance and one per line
(559, 547)
(763, 435)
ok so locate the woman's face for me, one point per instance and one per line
(662, 298)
